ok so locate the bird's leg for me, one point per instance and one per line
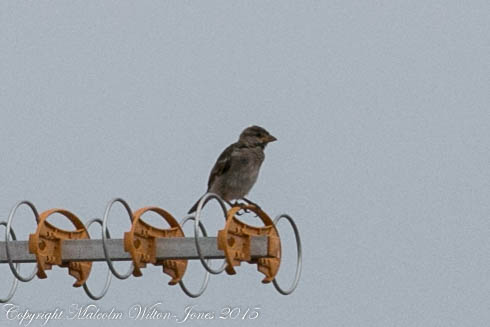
(252, 203)
(238, 204)
(242, 205)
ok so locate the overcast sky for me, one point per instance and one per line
(381, 110)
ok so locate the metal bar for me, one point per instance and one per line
(167, 248)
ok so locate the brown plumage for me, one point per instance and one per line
(237, 168)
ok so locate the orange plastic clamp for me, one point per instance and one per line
(234, 240)
(140, 242)
(46, 243)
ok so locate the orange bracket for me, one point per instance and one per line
(234, 240)
(47, 244)
(140, 242)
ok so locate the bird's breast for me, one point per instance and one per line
(242, 175)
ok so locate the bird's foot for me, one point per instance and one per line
(245, 210)
(252, 203)
(241, 205)
(237, 204)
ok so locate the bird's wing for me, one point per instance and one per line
(222, 165)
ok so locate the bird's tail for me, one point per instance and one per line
(194, 207)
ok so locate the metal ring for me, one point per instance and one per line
(202, 203)
(15, 282)
(205, 282)
(7, 241)
(298, 261)
(104, 237)
(108, 275)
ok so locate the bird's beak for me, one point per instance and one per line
(270, 138)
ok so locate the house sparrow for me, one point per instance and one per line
(237, 168)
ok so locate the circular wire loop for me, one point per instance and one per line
(104, 238)
(108, 278)
(7, 241)
(202, 203)
(205, 282)
(298, 260)
(15, 282)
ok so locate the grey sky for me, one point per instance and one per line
(381, 110)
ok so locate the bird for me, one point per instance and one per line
(237, 168)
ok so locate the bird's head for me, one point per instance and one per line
(257, 136)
